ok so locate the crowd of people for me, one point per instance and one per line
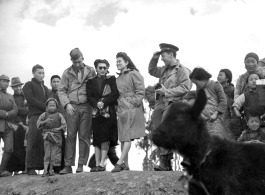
(39, 126)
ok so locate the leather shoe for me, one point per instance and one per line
(117, 168)
(160, 168)
(32, 172)
(94, 169)
(66, 170)
(79, 168)
(100, 168)
(124, 167)
(5, 174)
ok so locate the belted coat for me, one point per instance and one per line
(131, 119)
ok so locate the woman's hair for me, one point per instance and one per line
(228, 75)
(200, 74)
(97, 61)
(126, 58)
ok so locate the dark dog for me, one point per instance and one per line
(215, 166)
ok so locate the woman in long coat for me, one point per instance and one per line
(102, 94)
(131, 120)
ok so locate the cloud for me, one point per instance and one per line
(46, 17)
(44, 11)
(193, 11)
(104, 15)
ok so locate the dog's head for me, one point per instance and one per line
(182, 128)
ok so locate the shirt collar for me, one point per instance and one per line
(175, 65)
(42, 82)
(125, 71)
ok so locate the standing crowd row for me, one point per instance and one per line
(89, 102)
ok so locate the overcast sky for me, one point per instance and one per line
(213, 34)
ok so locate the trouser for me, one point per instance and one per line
(7, 137)
(157, 118)
(35, 145)
(112, 155)
(79, 123)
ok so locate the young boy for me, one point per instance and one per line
(254, 133)
(247, 99)
(52, 122)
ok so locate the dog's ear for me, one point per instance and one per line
(199, 104)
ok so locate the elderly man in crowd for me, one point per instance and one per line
(8, 111)
(17, 160)
(36, 94)
(72, 95)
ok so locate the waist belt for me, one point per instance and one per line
(124, 95)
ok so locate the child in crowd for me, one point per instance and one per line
(253, 133)
(247, 99)
(225, 79)
(52, 123)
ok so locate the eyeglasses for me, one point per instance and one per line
(102, 68)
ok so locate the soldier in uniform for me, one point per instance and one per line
(72, 95)
(173, 84)
(8, 111)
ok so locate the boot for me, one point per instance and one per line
(5, 159)
(163, 166)
(66, 170)
(79, 168)
(170, 157)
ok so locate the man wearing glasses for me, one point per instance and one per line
(72, 95)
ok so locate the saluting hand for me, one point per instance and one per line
(156, 54)
(70, 110)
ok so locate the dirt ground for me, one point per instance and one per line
(102, 183)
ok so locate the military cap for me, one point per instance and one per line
(4, 77)
(75, 54)
(167, 47)
(15, 82)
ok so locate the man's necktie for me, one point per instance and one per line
(79, 75)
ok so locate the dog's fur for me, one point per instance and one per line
(229, 168)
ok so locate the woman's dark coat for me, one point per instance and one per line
(104, 129)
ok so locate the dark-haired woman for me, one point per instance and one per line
(102, 94)
(251, 64)
(216, 101)
(131, 120)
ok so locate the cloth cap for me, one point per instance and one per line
(253, 55)
(75, 54)
(37, 66)
(15, 81)
(52, 99)
(167, 47)
(4, 77)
